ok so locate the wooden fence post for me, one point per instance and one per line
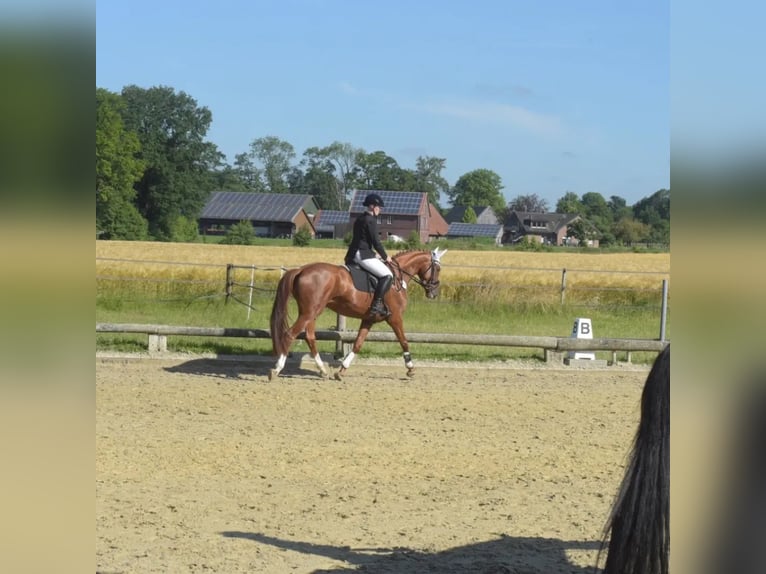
(229, 281)
(563, 285)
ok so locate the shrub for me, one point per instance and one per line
(302, 237)
(239, 234)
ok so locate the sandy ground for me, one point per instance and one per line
(204, 466)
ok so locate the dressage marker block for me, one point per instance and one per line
(583, 329)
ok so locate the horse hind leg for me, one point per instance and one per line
(364, 329)
(290, 336)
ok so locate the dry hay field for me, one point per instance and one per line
(636, 270)
(204, 466)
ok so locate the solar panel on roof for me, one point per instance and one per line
(473, 229)
(237, 205)
(396, 202)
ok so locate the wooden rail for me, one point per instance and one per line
(554, 347)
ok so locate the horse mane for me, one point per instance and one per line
(414, 251)
(639, 525)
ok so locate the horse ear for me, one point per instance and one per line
(437, 254)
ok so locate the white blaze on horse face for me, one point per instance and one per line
(346, 362)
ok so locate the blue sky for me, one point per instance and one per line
(552, 96)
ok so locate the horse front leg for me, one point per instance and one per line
(364, 328)
(397, 325)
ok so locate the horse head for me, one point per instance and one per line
(430, 276)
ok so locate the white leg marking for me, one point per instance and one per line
(280, 363)
(346, 362)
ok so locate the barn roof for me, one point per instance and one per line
(240, 206)
(327, 219)
(455, 215)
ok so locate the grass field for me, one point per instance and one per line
(493, 291)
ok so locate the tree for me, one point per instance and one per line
(655, 212)
(275, 157)
(250, 177)
(569, 203)
(628, 231)
(479, 187)
(428, 178)
(597, 212)
(117, 169)
(377, 170)
(178, 161)
(320, 180)
(531, 203)
(469, 215)
(342, 156)
(619, 208)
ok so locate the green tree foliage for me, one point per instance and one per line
(302, 237)
(469, 215)
(275, 157)
(597, 212)
(183, 230)
(628, 231)
(654, 211)
(342, 159)
(619, 208)
(479, 187)
(241, 233)
(178, 161)
(531, 203)
(320, 180)
(117, 169)
(428, 178)
(377, 170)
(569, 203)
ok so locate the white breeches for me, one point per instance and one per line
(373, 265)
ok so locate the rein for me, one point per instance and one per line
(430, 284)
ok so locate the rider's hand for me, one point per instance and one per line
(389, 259)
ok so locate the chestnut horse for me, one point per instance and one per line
(317, 286)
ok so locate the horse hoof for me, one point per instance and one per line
(338, 376)
(324, 374)
(410, 372)
(273, 374)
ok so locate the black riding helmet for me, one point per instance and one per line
(373, 199)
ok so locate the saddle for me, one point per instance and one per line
(363, 279)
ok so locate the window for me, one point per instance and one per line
(388, 220)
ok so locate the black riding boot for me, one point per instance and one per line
(378, 307)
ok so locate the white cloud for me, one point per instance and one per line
(489, 112)
(348, 88)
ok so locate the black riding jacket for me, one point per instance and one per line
(365, 239)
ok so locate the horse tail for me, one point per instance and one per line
(639, 524)
(279, 322)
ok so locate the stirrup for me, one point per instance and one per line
(378, 308)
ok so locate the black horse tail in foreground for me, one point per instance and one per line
(639, 525)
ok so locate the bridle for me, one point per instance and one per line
(431, 284)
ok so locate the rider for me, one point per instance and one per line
(364, 244)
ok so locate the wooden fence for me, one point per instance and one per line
(554, 347)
